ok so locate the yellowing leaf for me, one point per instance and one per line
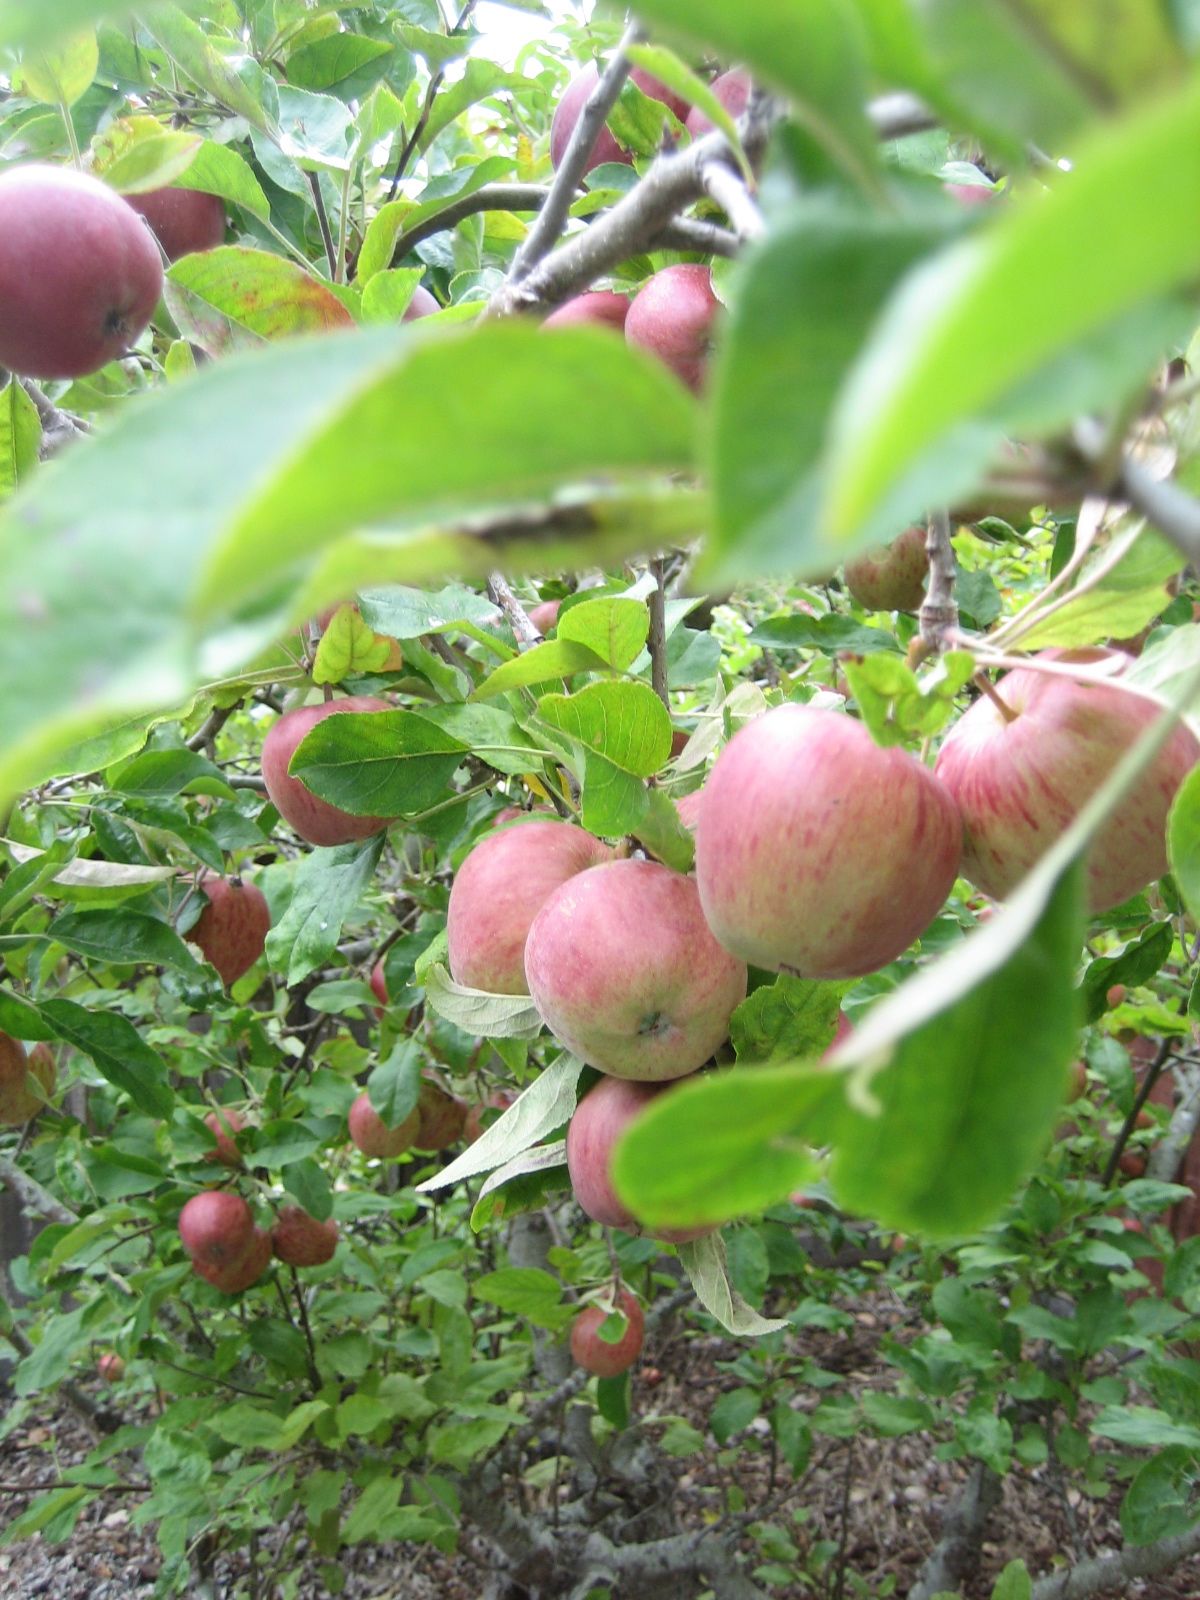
(349, 645)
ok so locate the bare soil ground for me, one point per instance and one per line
(882, 1496)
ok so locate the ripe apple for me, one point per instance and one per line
(224, 1124)
(231, 931)
(1132, 1163)
(1019, 784)
(689, 808)
(499, 890)
(733, 90)
(600, 1119)
(379, 984)
(1078, 1083)
(498, 1102)
(624, 970)
(80, 275)
(372, 1135)
(592, 1353)
(302, 1241)
(313, 819)
(422, 304)
(892, 578)
(545, 616)
(817, 852)
(570, 108)
(110, 1367)
(184, 221)
(672, 316)
(972, 194)
(442, 1117)
(600, 305)
(1115, 996)
(17, 1104)
(227, 1248)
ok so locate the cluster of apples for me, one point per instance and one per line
(231, 1251)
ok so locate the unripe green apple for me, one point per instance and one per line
(892, 578)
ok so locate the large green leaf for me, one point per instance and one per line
(994, 311)
(1183, 841)
(813, 50)
(1121, 603)
(553, 658)
(219, 170)
(122, 936)
(263, 294)
(377, 763)
(120, 1053)
(615, 629)
(328, 885)
(41, 22)
(624, 731)
(300, 446)
(192, 52)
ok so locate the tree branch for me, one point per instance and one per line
(939, 613)
(1167, 1155)
(729, 191)
(1153, 1073)
(657, 642)
(552, 218)
(500, 594)
(314, 183)
(691, 233)
(1107, 1573)
(31, 1193)
(956, 1556)
(492, 197)
(59, 428)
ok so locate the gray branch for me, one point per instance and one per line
(1171, 509)
(1108, 1573)
(690, 233)
(31, 1193)
(729, 191)
(59, 427)
(500, 594)
(956, 1556)
(894, 115)
(1167, 1155)
(552, 218)
(492, 197)
(657, 641)
(939, 613)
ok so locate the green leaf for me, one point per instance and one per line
(554, 658)
(1157, 1504)
(62, 75)
(545, 1106)
(395, 1084)
(493, 735)
(348, 63)
(892, 1415)
(165, 773)
(280, 1142)
(20, 436)
(33, 22)
(1183, 841)
(525, 1292)
(794, 1436)
(255, 295)
(122, 936)
(522, 1184)
(218, 169)
(613, 629)
(662, 832)
(152, 163)
(624, 731)
(475, 1011)
(1144, 1427)
(190, 50)
(403, 613)
(1122, 54)
(388, 295)
(996, 310)
(395, 216)
(479, 80)
(306, 1182)
(833, 633)
(327, 886)
(812, 50)
(896, 705)
(1122, 603)
(1136, 964)
(612, 1400)
(666, 66)
(377, 763)
(52, 1515)
(806, 300)
(734, 1411)
(118, 1050)
(704, 1263)
(788, 1020)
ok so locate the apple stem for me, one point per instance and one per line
(983, 682)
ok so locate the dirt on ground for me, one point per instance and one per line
(880, 1499)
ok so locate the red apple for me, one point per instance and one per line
(624, 970)
(184, 221)
(600, 1119)
(442, 1117)
(893, 578)
(843, 1031)
(372, 1135)
(499, 890)
(110, 1367)
(1078, 1084)
(689, 808)
(570, 108)
(601, 306)
(219, 1233)
(422, 304)
(972, 194)
(313, 819)
(545, 616)
(224, 1124)
(499, 1102)
(817, 852)
(672, 316)
(733, 90)
(1019, 784)
(302, 1241)
(17, 1103)
(80, 275)
(593, 1354)
(1115, 996)
(1132, 1163)
(243, 1273)
(231, 931)
(379, 984)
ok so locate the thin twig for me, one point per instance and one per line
(314, 183)
(501, 594)
(1153, 1073)
(657, 641)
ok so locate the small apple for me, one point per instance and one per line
(422, 304)
(570, 108)
(600, 305)
(499, 890)
(231, 931)
(302, 1241)
(17, 1103)
(733, 90)
(184, 221)
(624, 970)
(313, 819)
(218, 1231)
(442, 1115)
(372, 1135)
(1115, 996)
(817, 852)
(110, 1367)
(972, 194)
(672, 316)
(893, 578)
(545, 616)
(224, 1124)
(492, 1109)
(689, 809)
(1020, 783)
(1078, 1085)
(600, 1119)
(593, 1354)
(1132, 1164)
(80, 276)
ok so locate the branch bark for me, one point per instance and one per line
(1153, 1073)
(500, 594)
(33, 1195)
(728, 190)
(957, 1554)
(1108, 1573)
(939, 613)
(1167, 1156)
(59, 427)
(657, 642)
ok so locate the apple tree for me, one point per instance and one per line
(598, 744)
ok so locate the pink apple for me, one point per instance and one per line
(442, 1116)
(499, 890)
(672, 316)
(733, 90)
(379, 986)
(593, 1353)
(893, 578)
(231, 931)
(624, 970)
(1019, 784)
(689, 808)
(184, 221)
(300, 1240)
(224, 1124)
(600, 1119)
(111, 1367)
(372, 1135)
(218, 1231)
(17, 1103)
(480, 1117)
(422, 304)
(313, 819)
(600, 305)
(817, 852)
(545, 616)
(570, 108)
